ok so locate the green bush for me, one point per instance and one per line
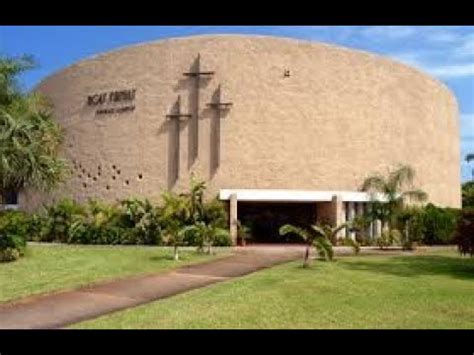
(38, 227)
(142, 220)
(222, 240)
(410, 223)
(130, 221)
(215, 213)
(464, 235)
(14, 226)
(60, 218)
(439, 224)
(388, 238)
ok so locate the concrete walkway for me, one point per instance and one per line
(64, 308)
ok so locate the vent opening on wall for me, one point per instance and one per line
(114, 167)
(140, 176)
(79, 176)
(118, 172)
(127, 182)
(84, 185)
(94, 178)
(113, 177)
(107, 187)
(99, 173)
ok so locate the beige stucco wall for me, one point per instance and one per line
(341, 115)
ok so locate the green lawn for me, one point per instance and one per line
(50, 267)
(425, 291)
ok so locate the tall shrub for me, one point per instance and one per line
(439, 224)
(464, 235)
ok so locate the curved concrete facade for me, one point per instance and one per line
(304, 116)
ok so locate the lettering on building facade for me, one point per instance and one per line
(112, 97)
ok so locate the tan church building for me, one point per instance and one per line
(267, 122)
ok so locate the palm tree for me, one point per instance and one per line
(29, 137)
(319, 236)
(392, 189)
(10, 69)
(206, 232)
(174, 218)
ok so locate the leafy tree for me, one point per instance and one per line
(470, 157)
(464, 235)
(439, 224)
(468, 194)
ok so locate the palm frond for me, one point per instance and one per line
(288, 228)
(416, 195)
(404, 174)
(376, 182)
(324, 247)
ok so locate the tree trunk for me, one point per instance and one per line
(176, 256)
(306, 256)
(209, 246)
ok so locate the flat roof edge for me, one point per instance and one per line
(286, 195)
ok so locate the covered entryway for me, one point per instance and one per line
(265, 211)
(264, 219)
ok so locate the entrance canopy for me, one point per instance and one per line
(283, 195)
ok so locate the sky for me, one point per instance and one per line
(445, 52)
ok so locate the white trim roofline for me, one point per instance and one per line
(285, 195)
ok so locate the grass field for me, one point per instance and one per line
(51, 267)
(426, 291)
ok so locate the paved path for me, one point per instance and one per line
(64, 308)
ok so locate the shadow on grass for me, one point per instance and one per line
(413, 266)
(159, 258)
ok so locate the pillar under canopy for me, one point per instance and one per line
(233, 219)
(351, 215)
(339, 213)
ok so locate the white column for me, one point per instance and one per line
(339, 213)
(351, 206)
(377, 228)
(370, 228)
(233, 218)
(360, 211)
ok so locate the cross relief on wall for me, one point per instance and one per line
(197, 75)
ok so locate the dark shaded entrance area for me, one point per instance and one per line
(265, 219)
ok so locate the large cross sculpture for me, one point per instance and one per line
(177, 117)
(196, 74)
(219, 107)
